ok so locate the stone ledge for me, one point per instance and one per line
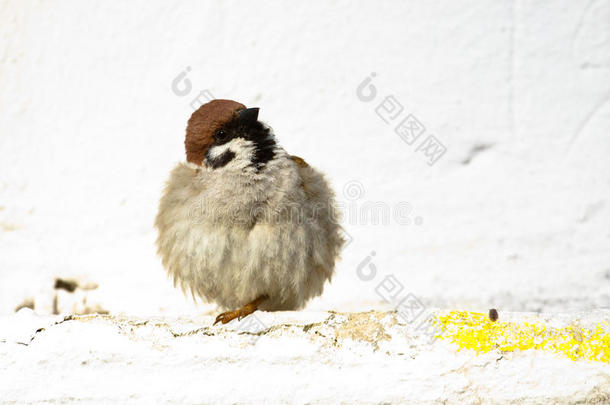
(291, 357)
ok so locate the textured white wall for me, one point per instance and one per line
(90, 128)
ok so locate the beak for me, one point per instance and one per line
(247, 115)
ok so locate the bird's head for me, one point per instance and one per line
(224, 133)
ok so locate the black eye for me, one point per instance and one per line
(220, 135)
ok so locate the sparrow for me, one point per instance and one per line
(241, 222)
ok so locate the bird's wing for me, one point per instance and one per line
(299, 161)
(311, 180)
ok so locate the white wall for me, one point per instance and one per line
(90, 127)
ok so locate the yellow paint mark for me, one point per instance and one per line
(8, 227)
(472, 330)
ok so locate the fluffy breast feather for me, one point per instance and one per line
(231, 236)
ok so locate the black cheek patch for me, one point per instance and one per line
(221, 160)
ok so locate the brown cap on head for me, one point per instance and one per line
(202, 125)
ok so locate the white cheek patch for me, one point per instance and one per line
(216, 151)
(243, 150)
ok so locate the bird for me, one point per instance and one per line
(241, 222)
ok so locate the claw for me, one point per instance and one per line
(240, 313)
(227, 317)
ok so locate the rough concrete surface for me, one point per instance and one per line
(293, 357)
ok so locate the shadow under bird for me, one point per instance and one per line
(242, 223)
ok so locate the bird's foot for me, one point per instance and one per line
(240, 313)
(228, 316)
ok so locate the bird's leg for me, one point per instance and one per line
(240, 313)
